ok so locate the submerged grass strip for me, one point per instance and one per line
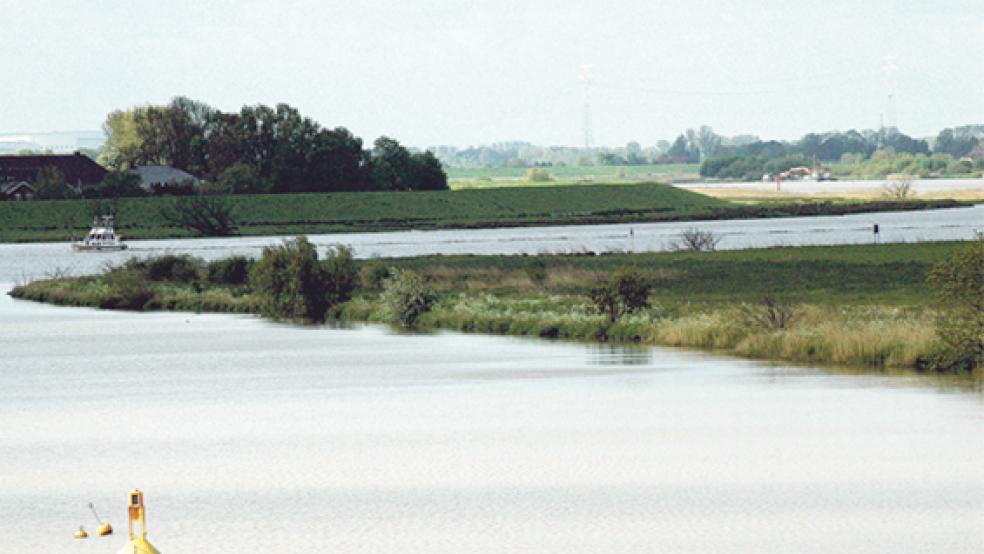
(859, 306)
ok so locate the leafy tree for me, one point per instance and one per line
(241, 178)
(959, 286)
(375, 274)
(626, 291)
(683, 150)
(229, 271)
(50, 183)
(428, 172)
(209, 215)
(392, 165)
(123, 142)
(289, 282)
(340, 274)
(947, 142)
(707, 142)
(407, 297)
(117, 184)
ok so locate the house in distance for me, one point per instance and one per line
(162, 177)
(79, 170)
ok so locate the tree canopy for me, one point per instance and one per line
(273, 149)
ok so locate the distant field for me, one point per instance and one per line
(339, 212)
(572, 173)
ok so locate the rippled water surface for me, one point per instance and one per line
(249, 436)
(258, 437)
(20, 262)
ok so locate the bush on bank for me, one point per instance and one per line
(289, 282)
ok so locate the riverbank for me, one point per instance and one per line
(861, 306)
(290, 214)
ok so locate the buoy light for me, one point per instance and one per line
(138, 543)
(81, 534)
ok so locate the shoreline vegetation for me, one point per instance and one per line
(316, 213)
(866, 306)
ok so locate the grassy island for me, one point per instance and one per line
(863, 306)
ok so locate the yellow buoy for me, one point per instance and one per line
(104, 529)
(138, 543)
(81, 534)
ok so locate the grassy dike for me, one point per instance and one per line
(280, 214)
(860, 306)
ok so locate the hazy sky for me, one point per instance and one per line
(453, 72)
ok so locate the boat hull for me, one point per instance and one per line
(100, 248)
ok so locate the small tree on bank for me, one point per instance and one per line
(959, 286)
(209, 215)
(695, 240)
(290, 283)
(625, 292)
(407, 297)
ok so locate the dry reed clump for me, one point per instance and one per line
(718, 329)
(865, 336)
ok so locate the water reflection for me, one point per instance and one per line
(618, 355)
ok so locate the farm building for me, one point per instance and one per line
(16, 190)
(79, 171)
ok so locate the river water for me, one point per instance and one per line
(252, 436)
(22, 262)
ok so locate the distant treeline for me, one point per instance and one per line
(857, 154)
(703, 144)
(262, 149)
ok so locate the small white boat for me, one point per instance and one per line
(101, 237)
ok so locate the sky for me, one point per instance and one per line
(469, 73)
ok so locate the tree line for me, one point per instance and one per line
(262, 149)
(857, 154)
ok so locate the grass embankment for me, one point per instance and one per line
(861, 306)
(137, 218)
(368, 211)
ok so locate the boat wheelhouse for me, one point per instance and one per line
(101, 237)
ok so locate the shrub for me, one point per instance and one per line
(538, 175)
(375, 274)
(340, 274)
(129, 290)
(289, 282)
(178, 269)
(407, 297)
(696, 240)
(536, 270)
(209, 215)
(959, 286)
(898, 187)
(625, 292)
(230, 271)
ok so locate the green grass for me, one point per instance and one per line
(139, 218)
(890, 274)
(574, 172)
(366, 211)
